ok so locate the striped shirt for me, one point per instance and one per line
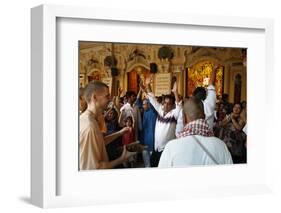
(165, 126)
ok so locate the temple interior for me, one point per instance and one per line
(169, 70)
(125, 65)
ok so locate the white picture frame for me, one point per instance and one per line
(45, 178)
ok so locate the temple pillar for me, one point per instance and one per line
(226, 88)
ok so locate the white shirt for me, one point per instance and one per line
(179, 127)
(210, 105)
(165, 127)
(186, 151)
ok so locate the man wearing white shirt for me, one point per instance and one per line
(208, 97)
(196, 145)
(165, 127)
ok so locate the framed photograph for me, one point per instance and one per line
(74, 46)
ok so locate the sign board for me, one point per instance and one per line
(163, 83)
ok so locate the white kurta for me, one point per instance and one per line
(185, 151)
(165, 127)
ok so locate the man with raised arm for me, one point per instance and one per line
(208, 97)
(166, 121)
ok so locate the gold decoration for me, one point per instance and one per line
(199, 75)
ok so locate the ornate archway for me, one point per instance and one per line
(135, 75)
(199, 74)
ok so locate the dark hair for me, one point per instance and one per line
(238, 103)
(115, 115)
(200, 93)
(145, 100)
(243, 102)
(159, 99)
(93, 87)
(224, 97)
(130, 94)
(170, 97)
(128, 118)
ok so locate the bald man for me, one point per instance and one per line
(93, 153)
(196, 145)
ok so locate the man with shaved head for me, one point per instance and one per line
(196, 145)
(92, 149)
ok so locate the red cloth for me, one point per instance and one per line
(197, 127)
(128, 137)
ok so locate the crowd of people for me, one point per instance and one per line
(141, 130)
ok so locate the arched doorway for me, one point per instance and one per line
(135, 76)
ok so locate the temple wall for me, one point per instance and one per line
(137, 58)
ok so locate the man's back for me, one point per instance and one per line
(186, 151)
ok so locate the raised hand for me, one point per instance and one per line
(120, 90)
(142, 86)
(148, 80)
(113, 101)
(175, 87)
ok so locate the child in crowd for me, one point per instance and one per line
(129, 136)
